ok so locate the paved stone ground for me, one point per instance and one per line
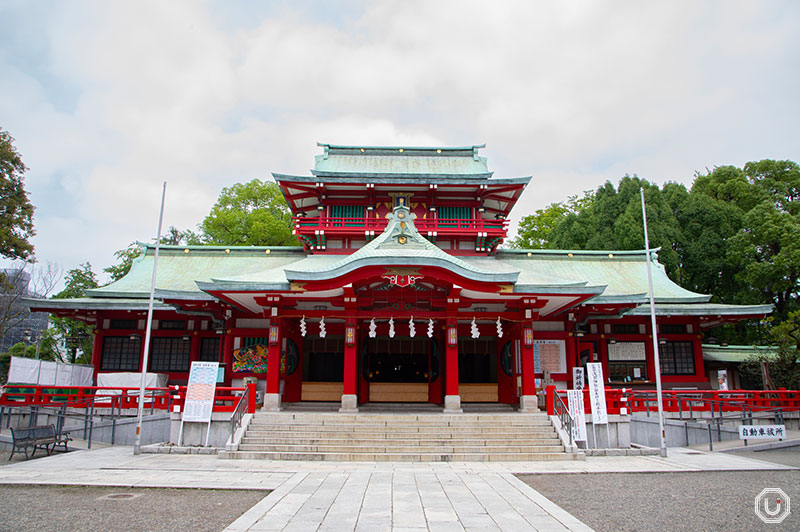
(375, 496)
(60, 508)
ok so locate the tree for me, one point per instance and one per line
(77, 281)
(782, 366)
(613, 220)
(125, 257)
(249, 214)
(535, 229)
(16, 212)
(176, 237)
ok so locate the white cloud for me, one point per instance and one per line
(109, 99)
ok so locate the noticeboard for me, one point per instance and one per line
(200, 392)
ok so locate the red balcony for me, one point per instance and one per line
(442, 227)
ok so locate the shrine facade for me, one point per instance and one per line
(401, 292)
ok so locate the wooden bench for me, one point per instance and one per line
(39, 437)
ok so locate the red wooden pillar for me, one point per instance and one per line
(272, 397)
(350, 377)
(227, 355)
(452, 400)
(527, 399)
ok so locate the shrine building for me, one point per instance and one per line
(400, 292)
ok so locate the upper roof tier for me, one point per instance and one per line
(395, 161)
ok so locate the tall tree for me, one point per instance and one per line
(250, 214)
(77, 281)
(16, 212)
(535, 229)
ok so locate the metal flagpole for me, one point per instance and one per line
(137, 444)
(656, 360)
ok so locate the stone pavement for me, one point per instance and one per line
(368, 496)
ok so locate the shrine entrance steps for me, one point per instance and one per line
(388, 434)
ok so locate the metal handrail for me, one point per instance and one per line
(239, 412)
(561, 410)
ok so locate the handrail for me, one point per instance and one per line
(422, 224)
(561, 410)
(239, 411)
(119, 397)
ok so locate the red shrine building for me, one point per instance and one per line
(401, 292)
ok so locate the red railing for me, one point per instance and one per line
(694, 400)
(168, 398)
(304, 224)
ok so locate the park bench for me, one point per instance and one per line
(39, 437)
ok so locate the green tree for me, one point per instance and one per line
(16, 212)
(613, 220)
(125, 257)
(782, 366)
(77, 281)
(535, 229)
(176, 237)
(249, 214)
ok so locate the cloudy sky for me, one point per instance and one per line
(106, 100)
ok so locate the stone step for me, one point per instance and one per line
(426, 449)
(400, 457)
(400, 436)
(274, 440)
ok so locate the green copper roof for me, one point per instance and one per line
(400, 161)
(178, 270)
(623, 273)
(735, 353)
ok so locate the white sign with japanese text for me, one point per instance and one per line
(761, 432)
(577, 378)
(200, 392)
(576, 410)
(597, 393)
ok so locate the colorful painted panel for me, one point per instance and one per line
(252, 358)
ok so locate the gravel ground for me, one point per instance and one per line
(60, 508)
(703, 501)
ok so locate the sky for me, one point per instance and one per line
(107, 100)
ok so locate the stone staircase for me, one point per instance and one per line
(396, 436)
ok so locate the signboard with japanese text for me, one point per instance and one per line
(597, 393)
(762, 432)
(577, 378)
(576, 410)
(200, 392)
(549, 355)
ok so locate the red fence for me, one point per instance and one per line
(693, 400)
(225, 399)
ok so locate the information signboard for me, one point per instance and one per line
(576, 410)
(200, 392)
(762, 432)
(577, 378)
(597, 393)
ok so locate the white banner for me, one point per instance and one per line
(200, 392)
(597, 393)
(47, 373)
(576, 410)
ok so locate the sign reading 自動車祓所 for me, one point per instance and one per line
(597, 393)
(762, 432)
(200, 392)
